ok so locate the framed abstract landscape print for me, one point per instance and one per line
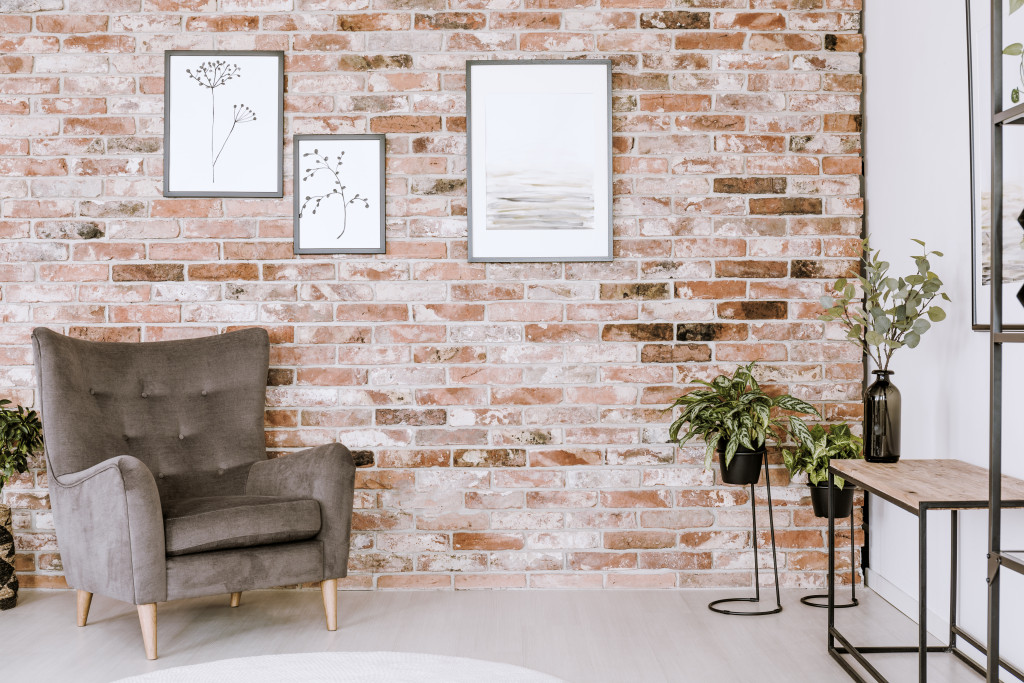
(539, 166)
(223, 123)
(339, 194)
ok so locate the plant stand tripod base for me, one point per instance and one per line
(714, 605)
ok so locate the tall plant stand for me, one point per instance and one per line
(714, 606)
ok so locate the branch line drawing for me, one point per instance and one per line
(322, 163)
(212, 75)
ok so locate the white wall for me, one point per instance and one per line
(918, 186)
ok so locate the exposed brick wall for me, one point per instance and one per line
(515, 412)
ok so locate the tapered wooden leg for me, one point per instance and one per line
(329, 588)
(147, 618)
(236, 599)
(84, 602)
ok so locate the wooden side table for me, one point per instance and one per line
(917, 486)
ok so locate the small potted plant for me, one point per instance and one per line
(734, 417)
(21, 433)
(815, 447)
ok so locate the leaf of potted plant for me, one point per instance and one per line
(21, 433)
(815, 447)
(734, 417)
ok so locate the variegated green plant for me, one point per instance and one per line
(733, 412)
(816, 446)
(1016, 50)
(896, 310)
(21, 433)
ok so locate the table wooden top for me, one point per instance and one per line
(943, 484)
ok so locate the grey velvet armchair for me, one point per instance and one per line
(160, 483)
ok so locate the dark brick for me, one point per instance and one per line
(690, 332)
(637, 332)
(374, 62)
(824, 269)
(466, 21)
(675, 353)
(279, 377)
(148, 272)
(675, 20)
(753, 310)
(412, 418)
(639, 290)
(750, 185)
(362, 458)
(752, 269)
(785, 206)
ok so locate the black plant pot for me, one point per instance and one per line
(843, 502)
(882, 420)
(745, 468)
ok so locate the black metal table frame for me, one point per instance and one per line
(922, 648)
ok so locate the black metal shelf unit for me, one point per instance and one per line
(998, 559)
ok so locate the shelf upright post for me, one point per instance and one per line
(995, 346)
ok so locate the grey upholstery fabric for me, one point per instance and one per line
(134, 431)
(243, 569)
(194, 525)
(326, 474)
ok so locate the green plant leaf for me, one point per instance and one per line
(936, 314)
(1016, 5)
(1014, 49)
(912, 339)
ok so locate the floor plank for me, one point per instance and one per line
(581, 636)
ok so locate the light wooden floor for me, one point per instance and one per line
(581, 636)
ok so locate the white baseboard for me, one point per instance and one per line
(938, 625)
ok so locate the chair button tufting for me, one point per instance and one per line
(124, 436)
(160, 475)
(92, 391)
(145, 395)
(204, 392)
(220, 471)
(181, 436)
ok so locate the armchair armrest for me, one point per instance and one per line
(326, 474)
(111, 530)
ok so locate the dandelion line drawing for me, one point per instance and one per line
(212, 75)
(322, 163)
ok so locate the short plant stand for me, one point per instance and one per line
(714, 606)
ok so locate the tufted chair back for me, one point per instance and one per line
(191, 410)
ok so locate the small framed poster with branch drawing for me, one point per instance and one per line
(223, 123)
(339, 194)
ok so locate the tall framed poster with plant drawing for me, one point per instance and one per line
(980, 86)
(223, 123)
(540, 169)
(339, 194)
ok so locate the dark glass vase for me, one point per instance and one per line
(882, 419)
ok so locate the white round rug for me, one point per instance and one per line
(347, 667)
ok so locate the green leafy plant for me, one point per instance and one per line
(896, 310)
(1016, 50)
(816, 446)
(733, 412)
(21, 433)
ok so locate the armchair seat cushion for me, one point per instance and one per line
(195, 525)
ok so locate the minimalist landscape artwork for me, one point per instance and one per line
(339, 194)
(223, 123)
(979, 42)
(540, 169)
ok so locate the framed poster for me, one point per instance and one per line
(1011, 94)
(540, 161)
(223, 123)
(339, 194)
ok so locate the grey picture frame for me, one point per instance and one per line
(297, 196)
(279, 56)
(470, 64)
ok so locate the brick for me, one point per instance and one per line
(487, 541)
(753, 310)
(675, 20)
(675, 353)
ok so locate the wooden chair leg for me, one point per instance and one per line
(329, 589)
(84, 602)
(147, 619)
(236, 599)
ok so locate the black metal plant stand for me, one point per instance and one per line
(810, 600)
(713, 606)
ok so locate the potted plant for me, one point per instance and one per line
(896, 312)
(734, 417)
(816, 446)
(21, 433)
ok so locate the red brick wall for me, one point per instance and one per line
(515, 412)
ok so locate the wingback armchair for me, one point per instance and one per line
(160, 483)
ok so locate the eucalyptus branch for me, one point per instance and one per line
(322, 163)
(896, 311)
